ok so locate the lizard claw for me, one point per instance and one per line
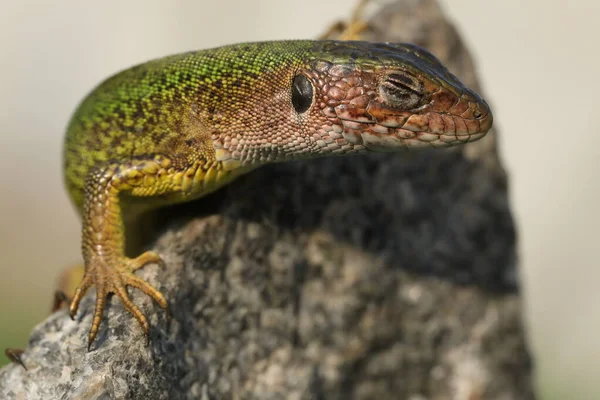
(85, 284)
(14, 355)
(113, 276)
(60, 297)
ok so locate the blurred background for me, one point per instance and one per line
(539, 64)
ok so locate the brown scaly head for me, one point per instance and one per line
(352, 97)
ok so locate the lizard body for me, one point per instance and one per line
(177, 128)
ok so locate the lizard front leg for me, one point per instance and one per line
(103, 236)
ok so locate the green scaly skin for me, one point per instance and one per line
(179, 127)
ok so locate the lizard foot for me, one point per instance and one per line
(113, 275)
(60, 298)
(14, 355)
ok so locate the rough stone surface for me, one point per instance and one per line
(378, 277)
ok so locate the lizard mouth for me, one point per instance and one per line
(379, 128)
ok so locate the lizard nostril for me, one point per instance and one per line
(477, 114)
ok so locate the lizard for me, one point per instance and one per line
(177, 128)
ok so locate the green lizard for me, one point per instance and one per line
(177, 128)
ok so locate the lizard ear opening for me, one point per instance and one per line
(302, 93)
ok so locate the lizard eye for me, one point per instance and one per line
(401, 91)
(302, 93)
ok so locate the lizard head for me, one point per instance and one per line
(386, 97)
(353, 97)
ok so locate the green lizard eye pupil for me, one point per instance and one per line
(302, 93)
